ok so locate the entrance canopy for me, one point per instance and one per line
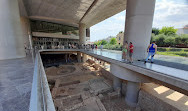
(71, 12)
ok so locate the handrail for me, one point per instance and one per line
(41, 99)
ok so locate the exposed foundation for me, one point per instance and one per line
(89, 86)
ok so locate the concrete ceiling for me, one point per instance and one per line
(71, 12)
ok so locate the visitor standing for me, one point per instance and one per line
(131, 47)
(152, 50)
(96, 46)
(101, 47)
(92, 47)
(124, 50)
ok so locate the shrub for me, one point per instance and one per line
(186, 50)
(175, 49)
(169, 41)
(160, 40)
(161, 49)
(178, 40)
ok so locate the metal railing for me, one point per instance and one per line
(41, 99)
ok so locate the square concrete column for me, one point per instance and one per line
(138, 25)
(82, 33)
(11, 36)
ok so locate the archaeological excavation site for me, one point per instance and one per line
(82, 86)
(78, 84)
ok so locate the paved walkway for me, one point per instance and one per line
(170, 71)
(15, 84)
(169, 61)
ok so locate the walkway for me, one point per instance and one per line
(169, 61)
(15, 84)
(173, 72)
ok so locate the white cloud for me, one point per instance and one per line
(170, 13)
(167, 13)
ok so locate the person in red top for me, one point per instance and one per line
(131, 47)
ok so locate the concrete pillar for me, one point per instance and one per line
(84, 57)
(132, 93)
(82, 33)
(138, 27)
(88, 32)
(116, 83)
(11, 36)
(79, 57)
(26, 30)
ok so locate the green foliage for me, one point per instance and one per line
(169, 40)
(184, 39)
(98, 43)
(173, 51)
(155, 31)
(160, 39)
(104, 42)
(161, 49)
(113, 47)
(152, 37)
(168, 31)
(181, 54)
(113, 41)
(185, 50)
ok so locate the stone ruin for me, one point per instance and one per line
(82, 87)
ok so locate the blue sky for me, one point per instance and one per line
(167, 13)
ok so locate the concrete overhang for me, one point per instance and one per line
(71, 12)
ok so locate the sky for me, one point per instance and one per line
(167, 13)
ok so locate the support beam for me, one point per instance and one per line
(138, 27)
(11, 36)
(82, 33)
(132, 93)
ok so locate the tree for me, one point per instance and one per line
(152, 38)
(160, 39)
(98, 43)
(104, 42)
(169, 41)
(155, 31)
(184, 39)
(178, 40)
(168, 31)
(113, 41)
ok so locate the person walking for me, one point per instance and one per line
(152, 50)
(131, 47)
(124, 50)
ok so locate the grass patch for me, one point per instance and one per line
(180, 54)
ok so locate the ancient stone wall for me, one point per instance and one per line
(106, 74)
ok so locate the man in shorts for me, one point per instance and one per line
(131, 47)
